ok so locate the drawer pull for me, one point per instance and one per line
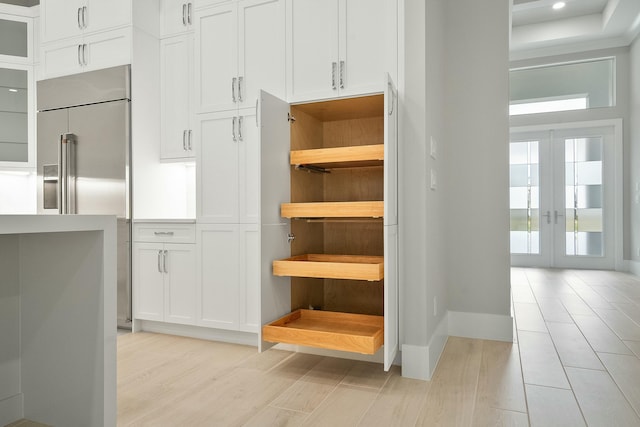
(163, 233)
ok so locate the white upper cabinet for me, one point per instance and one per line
(176, 62)
(71, 18)
(177, 17)
(339, 47)
(240, 49)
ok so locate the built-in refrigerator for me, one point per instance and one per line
(84, 156)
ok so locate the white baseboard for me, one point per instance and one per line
(419, 362)
(11, 409)
(634, 267)
(481, 326)
(211, 334)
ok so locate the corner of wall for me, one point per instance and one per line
(419, 362)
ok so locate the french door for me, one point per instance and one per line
(562, 198)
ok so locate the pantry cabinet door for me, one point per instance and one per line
(176, 55)
(390, 153)
(216, 56)
(391, 322)
(249, 284)
(275, 145)
(217, 168)
(261, 39)
(312, 49)
(363, 35)
(176, 17)
(180, 283)
(249, 167)
(148, 285)
(218, 269)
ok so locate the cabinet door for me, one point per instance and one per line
(249, 278)
(61, 58)
(217, 168)
(391, 325)
(261, 38)
(176, 55)
(249, 167)
(107, 49)
(180, 283)
(216, 56)
(148, 281)
(390, 153)
(103, 15)
(313, 49)
(176, 17)
(363, 35)
(61, 19)
(218, 267)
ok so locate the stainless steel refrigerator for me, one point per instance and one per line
(84, 156)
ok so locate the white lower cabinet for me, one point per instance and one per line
(164, 279)
(229, 273)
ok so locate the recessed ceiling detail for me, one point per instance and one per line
(538, 29)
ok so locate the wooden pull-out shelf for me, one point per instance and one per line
(358, 333)
(333, 210)
(340, 157)
(352, 267)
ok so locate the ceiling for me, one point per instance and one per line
(538, 30)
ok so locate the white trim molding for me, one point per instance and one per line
(419, 362)
(482, 326)
(203, 333)
(634, 267)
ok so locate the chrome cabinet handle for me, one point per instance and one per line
(189, 8)
(240, 128)
(333, 75)
(190, 147)
(79, 22)
(79, 50)
(163, 233)
(240, 89)
(184, 14)
(341, 74)
(159, 265)
(233, 89)
(84, 54)
(164, 261)
(184, 140)
(84, 16)
(233, 129)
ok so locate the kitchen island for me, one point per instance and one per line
(58, 319)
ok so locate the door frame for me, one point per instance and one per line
(618, 193)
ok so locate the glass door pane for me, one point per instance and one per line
(524, 199)
(583, 196)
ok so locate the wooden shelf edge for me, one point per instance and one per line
(337, 157)
(358, 333)
(327, 266)
(365, 209)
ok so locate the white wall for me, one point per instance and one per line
(476, 175)
(634, 151)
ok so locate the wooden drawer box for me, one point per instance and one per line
(359, 333)
(353, 267)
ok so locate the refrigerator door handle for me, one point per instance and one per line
(67, 174)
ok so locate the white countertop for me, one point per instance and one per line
(19, 224)
(165, 221)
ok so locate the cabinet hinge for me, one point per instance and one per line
(290, 118)
(291, 237)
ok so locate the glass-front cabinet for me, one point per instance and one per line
(17, 106)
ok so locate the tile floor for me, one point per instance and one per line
(575, 361)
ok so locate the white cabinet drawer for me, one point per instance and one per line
(169, 233)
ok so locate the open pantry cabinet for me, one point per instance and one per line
(329, 229)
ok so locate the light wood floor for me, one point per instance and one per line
(575, 362)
